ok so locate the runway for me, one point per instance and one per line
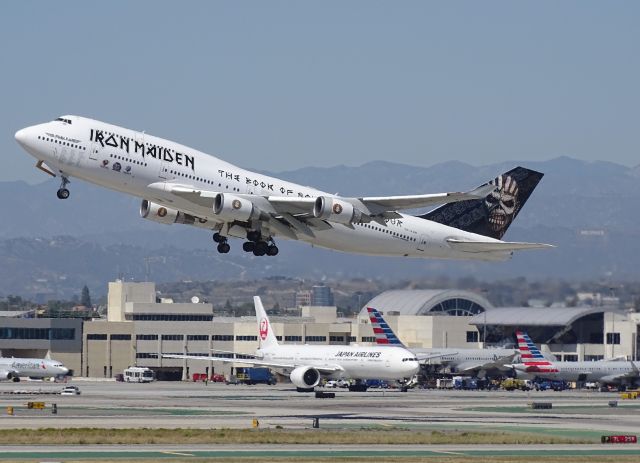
(306, 451)
(585, 416)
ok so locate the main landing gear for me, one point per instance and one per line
(223, 246)
(258, 246)
(63, 192)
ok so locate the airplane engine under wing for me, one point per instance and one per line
(158, 213)
(231, 207)
(305, 377)
(335, 210)
(6, 375)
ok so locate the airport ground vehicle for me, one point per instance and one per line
(70, 390)
(255, 375)
(336, 383)
(553, 385)
(511, 384)
(139, 375)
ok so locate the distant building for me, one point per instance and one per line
(303, 298)
(321, 296)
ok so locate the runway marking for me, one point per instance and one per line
(179, 453)
(448, 453)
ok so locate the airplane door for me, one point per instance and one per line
(422, 242)
(94, 151)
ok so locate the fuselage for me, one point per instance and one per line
(143, 165)
(467, 359)
(354, 362)
(32, 367)
(596, 371)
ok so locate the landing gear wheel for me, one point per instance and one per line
(253, 235)
(248, 246)
(63, 193)
(260, 249)
(218, 238)
(224, 248)
(272, 250)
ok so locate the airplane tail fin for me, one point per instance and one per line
(384, 333)
(492, 215)
(531, 356)
(266, 337)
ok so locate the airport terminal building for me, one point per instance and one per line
(138, 329)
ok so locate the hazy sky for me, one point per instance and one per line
(282, 85)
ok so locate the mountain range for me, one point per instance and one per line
(51, 248)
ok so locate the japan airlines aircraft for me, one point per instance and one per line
(307, 364)
(534, 364)
(461, 361)
(178, 184)
(14, 368)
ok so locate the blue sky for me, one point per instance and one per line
(282, 85)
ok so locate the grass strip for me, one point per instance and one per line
(80, 436)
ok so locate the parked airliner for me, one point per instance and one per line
(462, 361)
(307, 364)
(534, 364)
(178, 184)
(14, 368)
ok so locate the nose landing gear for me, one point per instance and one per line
(63, 192)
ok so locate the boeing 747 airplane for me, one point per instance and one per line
(178, 184)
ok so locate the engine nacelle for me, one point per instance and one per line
(232, 207)
(157, 213)
(335, 210)
(152, 211)
(6, 375)
(305, 377)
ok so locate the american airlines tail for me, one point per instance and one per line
(531, 356)
(267, 337)
(492, 215)
(384, 333)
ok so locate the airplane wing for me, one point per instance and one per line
(382, 204)
(326, 369)
(493, 246)
(294, 216)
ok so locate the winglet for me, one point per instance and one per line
(266, 337)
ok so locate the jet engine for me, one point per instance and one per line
(232, 207)
(335, 210)
(6, 375)
(305, 377)
(158, 213)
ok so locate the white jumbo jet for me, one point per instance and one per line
(178, 184)
(14, 368)
(307, 364)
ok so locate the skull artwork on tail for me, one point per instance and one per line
(502, 204)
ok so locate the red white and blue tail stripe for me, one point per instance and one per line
(384, 334)
(531, 356)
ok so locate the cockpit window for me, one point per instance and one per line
(62, 119)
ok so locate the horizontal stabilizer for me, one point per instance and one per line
(493, 246)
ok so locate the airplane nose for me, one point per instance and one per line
(21, 136)
(65, 370)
